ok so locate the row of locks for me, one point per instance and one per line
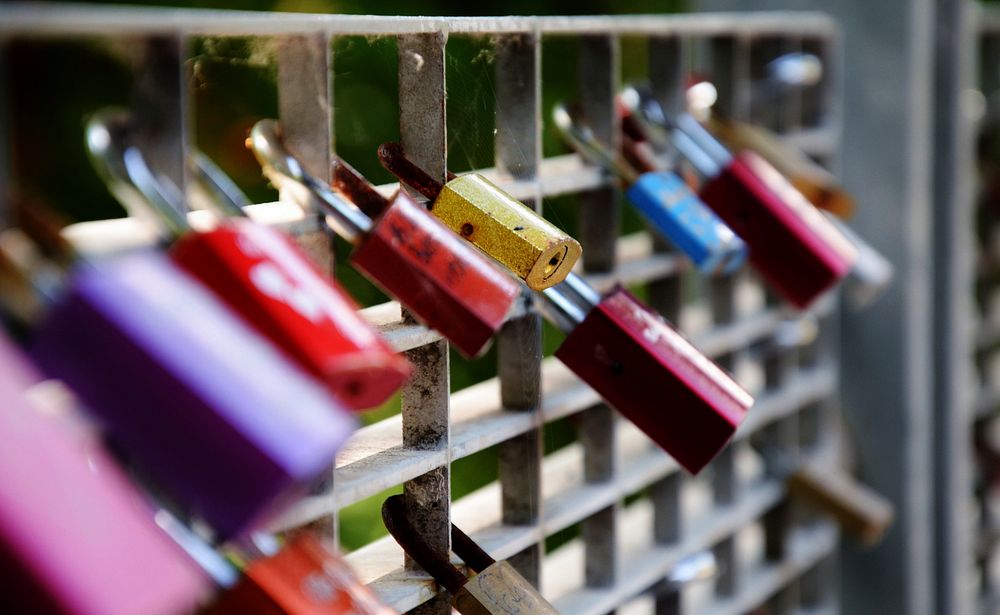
(201, 454)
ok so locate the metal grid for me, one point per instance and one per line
(769, 553)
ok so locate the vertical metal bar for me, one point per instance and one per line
(425, 401)
(599, 76)
(730, 69)
(161, 107)
(305, 90)
(6, 135)
(305, 106)
(600, 210)
(952, 294)
(666, 75)
(519, 346)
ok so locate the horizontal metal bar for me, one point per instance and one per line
(32, 19)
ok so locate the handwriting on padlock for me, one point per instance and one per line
(269, 280)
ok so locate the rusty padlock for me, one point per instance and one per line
(794, 246)
(444, 282)
(496, 588)
(615, 344)
(662, 197)
(517, 237)
(258, 272)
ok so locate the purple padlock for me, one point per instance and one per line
(75, 537)
(208, 412)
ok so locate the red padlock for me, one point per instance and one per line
(621, 348)
(441, 279)
(262, 275)
(303, 578)
(791, 243)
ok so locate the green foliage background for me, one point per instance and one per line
(55, 85)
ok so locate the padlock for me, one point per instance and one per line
(662, 197)
(496, 588)
(75, 536)
(615, 344)
(445, 283)
(857, 508)
(791, 243)
(304, 577)
(815, 183)
(259, 273)
(208, 412)
(530, 246)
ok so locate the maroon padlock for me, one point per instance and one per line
(258, 272)
(447, 284)
(798, 250)
(647, 370)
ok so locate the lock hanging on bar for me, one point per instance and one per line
(794, 246)
(445, 283)
(517, 237)
(257, 271)
(75, 536)
(209, 413)
(615, 344)
(663, 198)
(496, 588)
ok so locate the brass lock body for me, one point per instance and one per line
(500, 589)
(501, 226)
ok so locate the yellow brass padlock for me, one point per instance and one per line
(857, 508)
(495, 589)
(535, 250)
(818, 185)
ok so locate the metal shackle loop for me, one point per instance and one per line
(582, 139)
(126, 173)
(281, 166)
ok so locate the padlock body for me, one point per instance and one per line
(669, 205)
(304, 578)
(75, 536)
(815, 183)
(505, 229)
(207, 411)
(791, 244)
(444, 282)
(651, 374)
(265, 278)
(500, 590)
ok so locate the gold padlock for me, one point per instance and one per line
(857, 508)
(495, 589)
(818, 185)
(530, 246)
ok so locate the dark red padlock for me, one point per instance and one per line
(262, 275)
(647, 370)
(791, 243)
(303, 578)
(445, 282)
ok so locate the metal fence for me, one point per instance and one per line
(635, 514)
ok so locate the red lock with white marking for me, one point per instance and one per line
(261, 275)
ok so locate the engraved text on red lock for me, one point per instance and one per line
(444, 281)
(651, 374)
(304, 578)
(260, 274)
(800, 253)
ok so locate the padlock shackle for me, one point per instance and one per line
(352, 184)
(394, 160)
(394, 516)
(280, 166)
(639, 155)
(223, 190)
(567, 304)
(471, 553)
(581, 138)
(208, 559)
(127, 175)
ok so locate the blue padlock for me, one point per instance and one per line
(666, 202)
(663, 198)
